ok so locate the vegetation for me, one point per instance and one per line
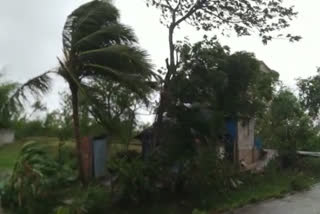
(95, 45)
(274, 182)
(242, 17)
(7, 114)
(178, 167)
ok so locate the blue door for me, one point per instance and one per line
(99, 157)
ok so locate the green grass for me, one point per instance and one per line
(8, 155)
(10, 152)
(262, 187)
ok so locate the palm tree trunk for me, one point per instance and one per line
(76, 129)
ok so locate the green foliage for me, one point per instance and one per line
(299, 183)
(309, 90)
(34, 177)
(196, 211)
(92, 200)
(96, 45)
(211, 84)
(286, 127)
(136, 179)
(49, 127)
(208, 172)
(235, 84)
(7, 112)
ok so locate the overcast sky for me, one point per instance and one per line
(30, 38)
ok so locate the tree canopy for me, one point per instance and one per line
(237, 84)
(244, 17)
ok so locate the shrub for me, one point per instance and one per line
(209, 172)
(93, 200)
(135, 178)
(196, 211)
(35, 177)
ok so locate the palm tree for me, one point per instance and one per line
(95, 45)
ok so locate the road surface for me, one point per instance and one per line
(301, 203)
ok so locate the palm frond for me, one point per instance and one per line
(37, 86)
(107, 36)
(88, 19)
(133, 82)
(126, 59)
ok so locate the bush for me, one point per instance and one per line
(36, 175)
(93, 200)
(196, 211)
(209, 172)
(135, 178)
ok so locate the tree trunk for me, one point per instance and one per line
(76, 129)
(164, 94)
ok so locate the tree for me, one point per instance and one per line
(286, 127)
(234, 83)
(309, 91)
(119, 109)
(96, 45)
(210, 85)
(6, 113)
(244, 17)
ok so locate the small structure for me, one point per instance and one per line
(7, 136)
(243, 144)
(146, 138)
(94, 156)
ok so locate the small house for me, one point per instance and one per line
(241, 142)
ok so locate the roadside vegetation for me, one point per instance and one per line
(201, 86)
(69, 195)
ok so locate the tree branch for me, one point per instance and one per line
(194, 8)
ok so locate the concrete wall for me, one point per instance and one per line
(6, 136)
(245, 140)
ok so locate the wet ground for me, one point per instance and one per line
(301, 203)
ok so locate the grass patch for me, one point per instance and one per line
(8, 155)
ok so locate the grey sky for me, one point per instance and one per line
(30, 38)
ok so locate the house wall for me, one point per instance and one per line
(7, 136)
(245, 140)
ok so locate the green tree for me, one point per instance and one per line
(119, 109)
(237, 84)
(309, 91)
(7, 114)
(96, 45)
(210, 85)
(244, 17)
(286, 127)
